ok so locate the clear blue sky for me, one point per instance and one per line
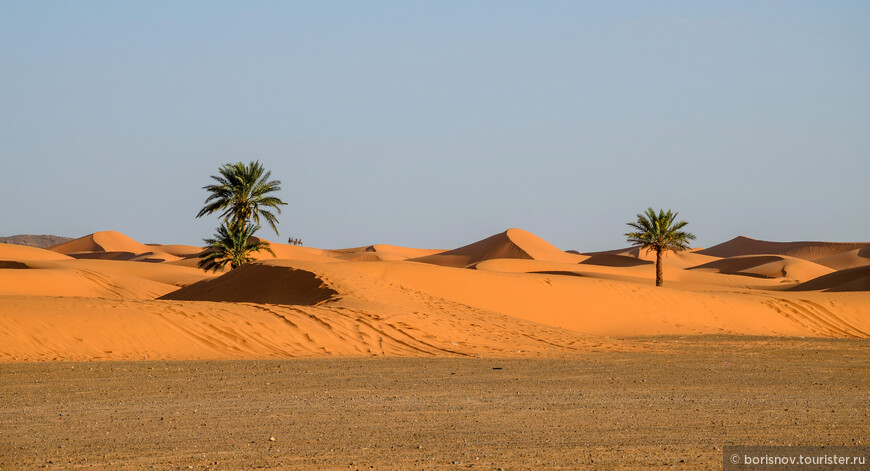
(435, 124)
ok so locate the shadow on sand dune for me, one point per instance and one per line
(257, 283)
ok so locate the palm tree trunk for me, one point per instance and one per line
(659, 277)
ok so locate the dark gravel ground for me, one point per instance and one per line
(674, 405)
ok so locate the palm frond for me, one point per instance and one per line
(231, 245)
(241, 193)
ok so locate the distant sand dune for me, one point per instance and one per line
(112, 245)
(381, 252)
(103, 241)
(805, 250)
(851, 259)
(614, 260)
(23, 252)
(849, 279)
(513, 243)
(767, 266)
(512, 294)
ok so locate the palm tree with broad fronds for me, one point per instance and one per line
(660, 232)
(243, 193)
(231, 245)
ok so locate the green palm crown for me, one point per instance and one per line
(231, 245)
(243, 193)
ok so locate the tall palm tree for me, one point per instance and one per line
(231, 245)
(659, 232)
(243, 193)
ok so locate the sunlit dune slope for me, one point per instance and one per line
(851, 259)
(381, 252)
(631, 270)
(513, 243)
(177, 250)
(579, 303)
(94, 278)
(103, 241)
(49, 328)
(293, 252)
(23, 252)
(60, 279)
(113, 245)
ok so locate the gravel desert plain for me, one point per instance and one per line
(507, 353)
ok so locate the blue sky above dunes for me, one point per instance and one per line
(435, 124)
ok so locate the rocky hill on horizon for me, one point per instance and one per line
(30, 240)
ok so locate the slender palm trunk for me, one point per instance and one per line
(659, 277)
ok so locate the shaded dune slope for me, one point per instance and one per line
(850, 279)
(614, 260)
(258, 283)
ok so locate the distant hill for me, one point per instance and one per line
(739, 246)
(40, 241)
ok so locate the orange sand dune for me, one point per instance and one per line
(381, 252)
(112, 245)
(513, 243)
(96, 278)
(46, 278)
(78, 329)
(683, 259)
(849, 279)
(615, 260)
(158, 272)
(406, 252)
(103, 241)
(523, 297)
(576, 303)
(153, 257)
(805, 250)
(295, 252)
(23, 252)
(605, 307)
(767, 266)
(851, 259)
(639, 272)
(180, 251)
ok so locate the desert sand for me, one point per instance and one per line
(382, 356)
(106, 296)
